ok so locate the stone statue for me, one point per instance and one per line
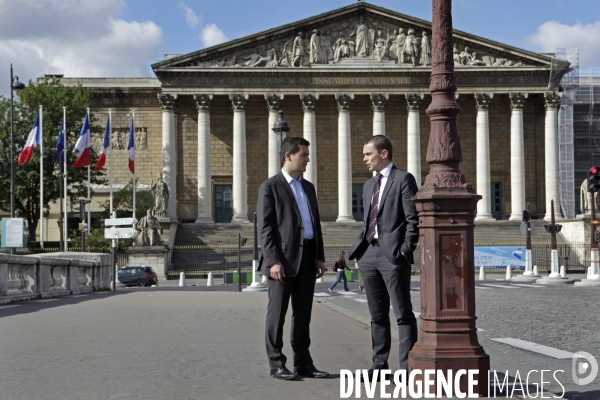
(315, 48)
(456, 55)
(160, 191)
(410, 48)
(399, 43)
(298, 50)
(256, 59)
(342, 49)
(380, 47)
(149, 230)
(585, 199)
(325, 51)
(465, 56)
(391, 52)
(425, 50)
(118, 142)
(361, 34)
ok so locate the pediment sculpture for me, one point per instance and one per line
(356, 38)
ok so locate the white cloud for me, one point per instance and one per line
(211, 35)
(77, 38)
(193, 20)
(553, 34)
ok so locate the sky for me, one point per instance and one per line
(122, 38)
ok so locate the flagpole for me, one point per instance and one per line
(134, 168)
(66, 217)
(41, 180)
(111, 160)
(89, 197)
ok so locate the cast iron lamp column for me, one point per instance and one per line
(446, 205)
(14, 85)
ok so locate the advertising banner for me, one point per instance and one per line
(500, 256)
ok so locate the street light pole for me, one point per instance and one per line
(13, 86)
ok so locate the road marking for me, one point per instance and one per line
(346, 293)
(500, 286)
(416, 289)
(322, 295)
(537, 348)
(528, 285)
(3, 307)
(360, 300)
(79, 295)
(47, 300)
(482, 287)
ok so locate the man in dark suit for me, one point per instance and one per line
(292, 247)
(384, 250)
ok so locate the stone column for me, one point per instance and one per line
(517, 157)
(309, 102)
(379, 101)
(240, 173)
(483, 101)
(551, 154)
(344, 158)
(413, 149)
(169, 151)
(274, 105)
(204, 172)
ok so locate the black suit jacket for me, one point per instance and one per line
(280, 225)
(396, 219)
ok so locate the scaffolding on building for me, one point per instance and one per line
(566, 135)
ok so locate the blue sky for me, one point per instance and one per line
(118, 38)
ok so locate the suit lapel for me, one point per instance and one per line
(386, 189)
(288, 191)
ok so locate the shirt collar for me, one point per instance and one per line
(387, 170)
(289, 178)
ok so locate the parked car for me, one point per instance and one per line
(137, 276)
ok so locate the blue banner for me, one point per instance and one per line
(500, 256)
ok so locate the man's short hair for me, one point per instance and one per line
(381, 142)
(291, 144)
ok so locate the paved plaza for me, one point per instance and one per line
(199, 342)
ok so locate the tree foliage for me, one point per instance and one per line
(52, 96)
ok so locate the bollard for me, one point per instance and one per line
(482, 273)
(508, 273)
(563, 271)
(209, 281)
(264, 280)
(535, 270)
(182, 279)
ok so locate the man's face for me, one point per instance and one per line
(375, 161)
(299, 160)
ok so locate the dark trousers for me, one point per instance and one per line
(385, 283)
(301, 289)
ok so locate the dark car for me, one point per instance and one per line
(137, 275)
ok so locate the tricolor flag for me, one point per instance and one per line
(60, 144)
(33, 140)
(105, 147)
(131, 146)
(82, 147)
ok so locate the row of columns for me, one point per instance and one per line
(344, 101)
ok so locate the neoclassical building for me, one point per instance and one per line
(205, 121)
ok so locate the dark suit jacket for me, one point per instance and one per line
(280, 225)
(396, 220)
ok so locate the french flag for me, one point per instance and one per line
(105, 146)
(33, 140)
(131, 146)
(82, 147)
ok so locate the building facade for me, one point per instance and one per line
(205, 121)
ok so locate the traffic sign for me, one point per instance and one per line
(524, 228)
(120, 233)
(120, 221)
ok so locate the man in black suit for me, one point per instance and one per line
(384, 250)
(292, 247)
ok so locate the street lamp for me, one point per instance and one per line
(281, 126)
(14, 85)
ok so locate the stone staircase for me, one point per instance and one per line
(486, 233)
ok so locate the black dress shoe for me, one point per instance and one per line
(311, 372)
(282, 373)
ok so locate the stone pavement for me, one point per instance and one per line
(196, 342)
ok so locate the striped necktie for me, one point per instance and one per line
(374, 209)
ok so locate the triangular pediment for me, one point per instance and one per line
(360, 35)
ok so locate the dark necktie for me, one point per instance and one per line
(374, 209)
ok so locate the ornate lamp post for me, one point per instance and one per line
(281, 127)
(446, 204)
(14, 85)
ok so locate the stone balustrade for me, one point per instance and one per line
(52, 274)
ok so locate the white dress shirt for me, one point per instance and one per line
(385, 174)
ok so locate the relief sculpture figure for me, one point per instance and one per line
(298, 50)
(160, 190)
(315, 48)
(409, 48)
(361, 34)
(399, 44)
(380, 47)
(342, 49)
(425, 50)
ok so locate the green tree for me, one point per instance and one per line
(53, 96)
(123, 202)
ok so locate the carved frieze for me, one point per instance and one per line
(357, 38)
(119, 139)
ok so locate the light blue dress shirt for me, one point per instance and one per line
(302, 202)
